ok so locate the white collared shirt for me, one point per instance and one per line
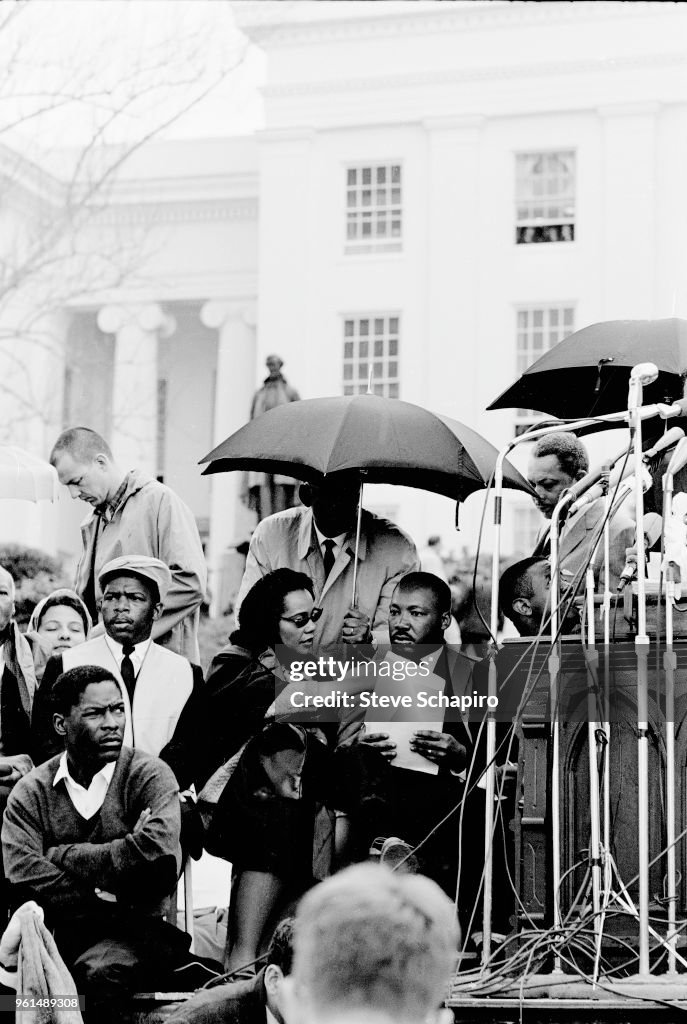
(137, 656)
(87, 801)
(269, 1016)
(338, 542)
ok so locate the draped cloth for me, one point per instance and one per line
(42, 974)
(19, 660)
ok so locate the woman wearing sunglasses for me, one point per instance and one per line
(278, 612)
(256, 778)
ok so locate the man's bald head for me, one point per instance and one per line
(7, 578)
(85, 465)
(6, 598)
(82, 443)
(372, 945)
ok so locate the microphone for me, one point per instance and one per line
(641, 374)
(678, 458)
(670, 412)
(652, 525)
(578, 488)
(628, 485)
(670, 438)
(644, 373)
(597, 490)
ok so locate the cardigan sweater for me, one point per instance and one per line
(56, 857)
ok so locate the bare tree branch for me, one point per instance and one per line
(47, 261)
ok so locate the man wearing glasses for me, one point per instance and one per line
(556, 463)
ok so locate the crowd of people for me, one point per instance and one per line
(118, 760)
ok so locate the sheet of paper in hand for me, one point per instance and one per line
(400, 719)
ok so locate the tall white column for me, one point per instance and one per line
(31, 378)
(230, 521)
(135, 387)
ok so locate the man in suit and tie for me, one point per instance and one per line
(156, 681)
(318, 539)
(431, 751)
(556, 462)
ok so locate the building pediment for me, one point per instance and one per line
(268, 23)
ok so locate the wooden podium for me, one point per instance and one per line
(531, 825)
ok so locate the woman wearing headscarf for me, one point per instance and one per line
(59, 621)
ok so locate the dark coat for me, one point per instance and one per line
(220, 717)
(15, 733)
(242, 1002)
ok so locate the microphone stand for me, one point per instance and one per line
(642, 654)
(554, 671)
(647, 412)
(610, 507)
(670, 665)
(490, 780)
(606, 726)
(592, 659)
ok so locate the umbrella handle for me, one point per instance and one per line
(354, 595)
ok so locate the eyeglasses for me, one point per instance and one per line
(303, 618)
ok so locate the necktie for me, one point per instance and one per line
(127, 670)
(328, 557)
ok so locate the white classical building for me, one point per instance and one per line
(440, 192)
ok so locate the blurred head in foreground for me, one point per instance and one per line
(372, 947)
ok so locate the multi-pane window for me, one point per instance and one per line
(545, 197)
(373, 208)
(370, 355)
(538, 330)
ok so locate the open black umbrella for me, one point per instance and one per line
(395, 442)
(588, 373)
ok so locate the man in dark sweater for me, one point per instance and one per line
(93, 836)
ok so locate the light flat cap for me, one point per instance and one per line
(147, 568)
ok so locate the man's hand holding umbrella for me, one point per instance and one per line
(357, 628)
(336, 444)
